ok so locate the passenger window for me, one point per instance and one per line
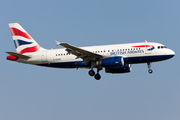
(158, 47)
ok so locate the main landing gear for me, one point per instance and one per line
(91, 72)
(96, 76)
(149, 66)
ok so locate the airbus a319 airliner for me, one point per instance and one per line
(114, 58)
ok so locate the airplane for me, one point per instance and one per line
(115, 58)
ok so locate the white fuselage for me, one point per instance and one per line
(135, 54)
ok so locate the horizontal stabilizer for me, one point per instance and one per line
(18, 55)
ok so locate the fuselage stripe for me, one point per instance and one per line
(144, 46)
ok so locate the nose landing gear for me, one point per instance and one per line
(149, 66)
(150, 71)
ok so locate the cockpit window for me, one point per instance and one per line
(161, 47)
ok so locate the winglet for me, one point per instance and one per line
(58, 43)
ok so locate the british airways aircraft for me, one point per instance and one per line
(114, 58)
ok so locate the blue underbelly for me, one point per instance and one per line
(127, 60)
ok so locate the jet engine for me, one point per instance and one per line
(111, 62)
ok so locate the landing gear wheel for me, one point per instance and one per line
(91, 73)
(97, 77)
(150, 71)
(149, 66)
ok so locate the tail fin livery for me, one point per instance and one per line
(24, 43)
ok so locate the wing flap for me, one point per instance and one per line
(79, 50)
(86, 55)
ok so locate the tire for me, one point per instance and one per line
(97, 77)
(91, 73)
(150, 71)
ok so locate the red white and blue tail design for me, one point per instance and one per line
(24, 43)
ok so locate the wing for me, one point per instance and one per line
(87, 56)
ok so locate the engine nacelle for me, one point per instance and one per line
(124, 69)
(111, 62)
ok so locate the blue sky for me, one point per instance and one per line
(32, 92)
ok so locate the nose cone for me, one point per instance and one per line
(171, 53)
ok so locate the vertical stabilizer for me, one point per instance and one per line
(24, 43)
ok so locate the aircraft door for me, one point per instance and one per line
(44, 56)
